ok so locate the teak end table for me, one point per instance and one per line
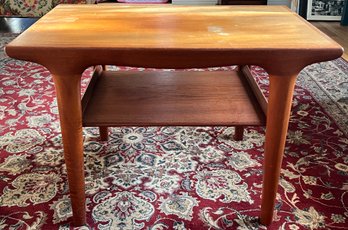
(71, 38)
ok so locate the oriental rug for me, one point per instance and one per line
(173, 177)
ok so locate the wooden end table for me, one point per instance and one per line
(71, 38)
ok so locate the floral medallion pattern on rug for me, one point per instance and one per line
(173, 177)
(123, 211)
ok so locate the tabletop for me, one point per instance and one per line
(167, 28)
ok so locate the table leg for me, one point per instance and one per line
(238, 133)
(103, 133)
(279, 105)
(68, 89)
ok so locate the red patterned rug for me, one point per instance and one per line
(173, 177)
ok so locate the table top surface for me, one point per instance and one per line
(94, 34)
(177, 27)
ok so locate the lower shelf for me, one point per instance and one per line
(184, 98)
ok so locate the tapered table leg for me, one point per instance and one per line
(278, 114)
(68, 89)
(238, 133)
(103, 132)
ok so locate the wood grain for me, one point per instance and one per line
(68, 88)
(137, 32)
(172, 98)
(278, 114)
(261, 98)
(337, 32)
(175, 27)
